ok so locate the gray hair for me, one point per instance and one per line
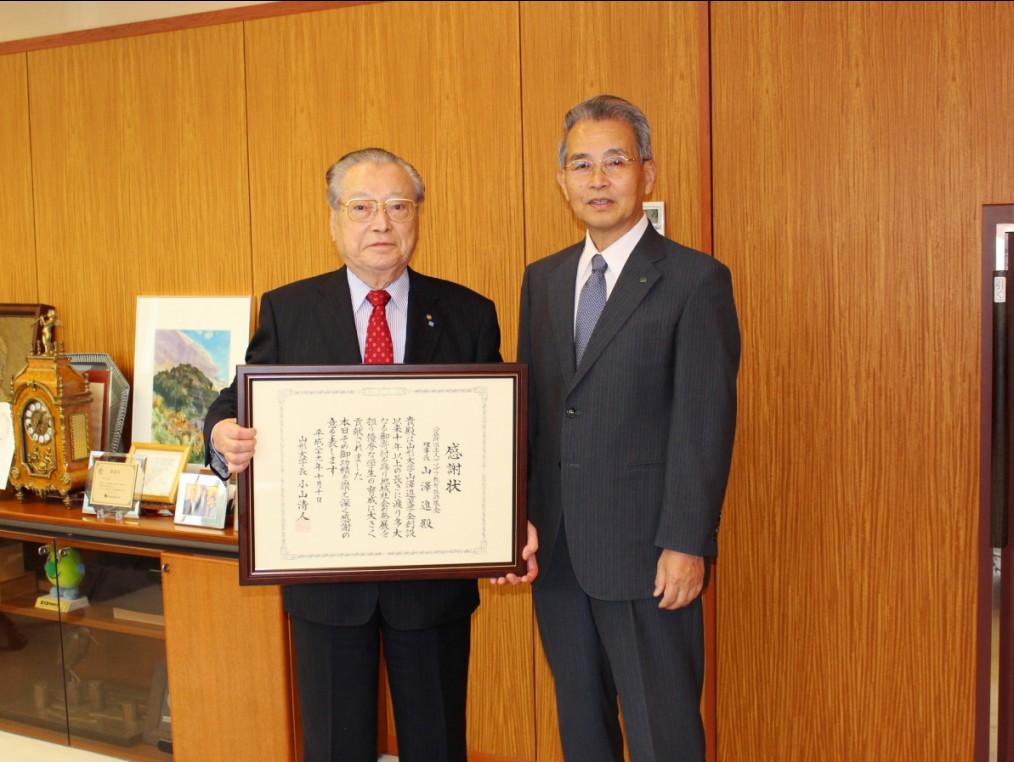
(603, 107)
(337, 171)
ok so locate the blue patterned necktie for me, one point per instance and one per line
(589, 306)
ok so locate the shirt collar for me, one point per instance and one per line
(398, 290)
(617, 254)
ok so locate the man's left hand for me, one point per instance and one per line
(679, 579)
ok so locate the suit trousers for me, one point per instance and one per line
(597, 649)
(338, 671)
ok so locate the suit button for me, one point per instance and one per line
(571, 412)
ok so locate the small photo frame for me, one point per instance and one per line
(656, 214)
(165, 464)
(115, 483)
(202, 501)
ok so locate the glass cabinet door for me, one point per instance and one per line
(91, 657)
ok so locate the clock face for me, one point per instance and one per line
(38, 422)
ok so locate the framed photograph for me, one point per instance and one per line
(202, 501)
(110, 394)
(382, 472)
(20, 332)
(158, 720)
(186, 350)
(164, 463)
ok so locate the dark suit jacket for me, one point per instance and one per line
(632, 449)
(310, 322)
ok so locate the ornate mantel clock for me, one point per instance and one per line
(50, 411)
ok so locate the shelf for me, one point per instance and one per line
(94, 615)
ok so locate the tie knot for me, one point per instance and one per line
(378, 298)
(599, 264)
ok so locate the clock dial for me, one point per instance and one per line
(38, 422)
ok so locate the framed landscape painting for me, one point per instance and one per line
(186, 350)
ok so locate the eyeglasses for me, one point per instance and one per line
(365, 209)
(613, 166)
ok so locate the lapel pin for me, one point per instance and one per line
(644, 279)
(429, 320)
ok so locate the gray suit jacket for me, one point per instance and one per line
(632, 449)
(310, 322)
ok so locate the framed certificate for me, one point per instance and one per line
(382, 472)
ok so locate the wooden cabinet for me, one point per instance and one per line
(164, 610)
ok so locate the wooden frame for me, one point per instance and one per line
(382, 472)
(163, 465)
(20, 331)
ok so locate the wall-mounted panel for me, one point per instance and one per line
(854, 144)
(139, 162)
(19, 283)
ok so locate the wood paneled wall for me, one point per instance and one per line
(852, 147)
(651, 54)
(139, 167)
(854, 144)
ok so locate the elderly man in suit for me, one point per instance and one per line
(632, 343)
(375, 309)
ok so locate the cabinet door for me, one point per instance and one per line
(227, 649)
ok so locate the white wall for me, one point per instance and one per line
(19, 21)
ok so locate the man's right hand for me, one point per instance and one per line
(234, 443)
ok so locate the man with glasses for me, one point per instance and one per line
(632, 345)
(374, 310)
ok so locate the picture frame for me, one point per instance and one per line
(656, 214)
(186, 350)
(115, 484)
(158, 718)
(110, 395)
(426, 464)
(20, 333)
(202, 500)
(164, 465)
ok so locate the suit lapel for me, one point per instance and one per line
(333, 312)
(636, 281)
(425, 320)
(561, 307)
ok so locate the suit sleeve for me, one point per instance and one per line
(703, 422)
(488, 342)
(262, 350)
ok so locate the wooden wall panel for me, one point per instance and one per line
(648, 53)
(446, 97)
(19, 283)
(651, 54)
(139, 162)
(854, 144)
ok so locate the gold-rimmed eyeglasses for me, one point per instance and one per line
(613, 166)
(365, 209)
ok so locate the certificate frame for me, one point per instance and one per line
(382, 472)
(165, 463)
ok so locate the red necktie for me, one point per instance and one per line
(379, 348)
